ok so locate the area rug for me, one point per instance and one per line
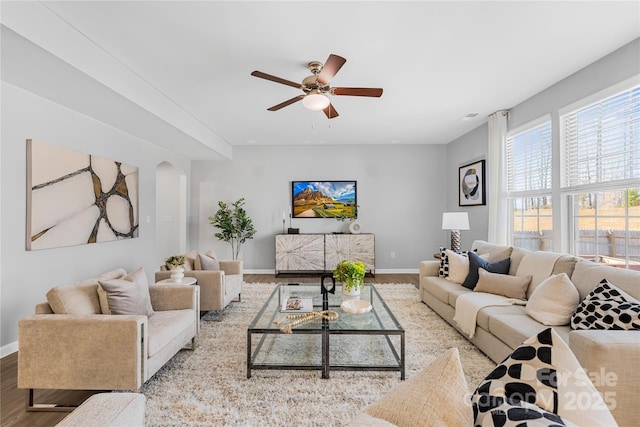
(209, 386)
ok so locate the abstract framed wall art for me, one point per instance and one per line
(75, 198)
(471, 184)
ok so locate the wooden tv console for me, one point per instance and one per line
(319, 253)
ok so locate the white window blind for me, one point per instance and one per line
(602, 141)
(529, 160)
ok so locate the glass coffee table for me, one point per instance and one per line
(372, 341)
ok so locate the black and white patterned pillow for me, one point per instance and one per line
(443, 271)
(523, 387)
(607, 308)
(503, 412)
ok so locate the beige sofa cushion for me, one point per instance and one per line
(190, 260)
(496, 252)
(437, 396)
(513, 329)
(129, 295)
(459, 266)
(75, 298)
(587, 275)
(502, 284)
(79, 297)
(207, 262)
(165, 326)
(539, 265)
(554, 301)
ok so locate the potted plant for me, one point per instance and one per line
(351, 274)
(176, 265)
(234, 224)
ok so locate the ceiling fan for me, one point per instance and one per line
(316, 87)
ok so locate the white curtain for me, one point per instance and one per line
(497, 177)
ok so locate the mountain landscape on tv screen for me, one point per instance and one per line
(310, 203)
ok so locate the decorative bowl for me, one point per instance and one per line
(356, 306)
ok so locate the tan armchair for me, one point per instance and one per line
(94, 351)
(217, 287)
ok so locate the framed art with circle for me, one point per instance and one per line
(471, 184)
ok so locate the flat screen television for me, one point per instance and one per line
(324, 199)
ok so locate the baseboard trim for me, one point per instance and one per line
(8, 349)
(397, 271)
(378, 271)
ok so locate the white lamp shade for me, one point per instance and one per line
(315, 101)
(455, 221)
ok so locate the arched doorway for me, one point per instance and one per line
(171, 211)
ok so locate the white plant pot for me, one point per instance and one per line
(177, 274)
(351, 292)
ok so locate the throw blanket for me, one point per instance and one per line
(468, 306)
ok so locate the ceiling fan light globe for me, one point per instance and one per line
(316, 101)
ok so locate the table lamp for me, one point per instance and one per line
(455, 221)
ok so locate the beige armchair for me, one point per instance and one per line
(217, 287)
(88, 350)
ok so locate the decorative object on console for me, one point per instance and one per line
(235, 225)
(455, 221)
(355, 227)
(472, 184)
(75, 198)
(324, 199)
(351, 274)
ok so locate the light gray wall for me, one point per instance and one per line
(28, 275)
(399, 192)
(469, 148)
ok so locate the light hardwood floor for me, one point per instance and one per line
(13, 413)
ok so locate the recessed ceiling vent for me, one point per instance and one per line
(470, 116)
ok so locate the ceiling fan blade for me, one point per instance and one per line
(285, 103)
(276, 79)
(357, 91)
(330, 68)
(330, 111)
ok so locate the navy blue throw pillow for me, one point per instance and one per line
(475, 262)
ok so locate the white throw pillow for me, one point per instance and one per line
(553, 301)
(459, 266)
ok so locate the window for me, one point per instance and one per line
(601, 178)
(529, 183)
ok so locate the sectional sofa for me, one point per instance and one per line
(610, 357)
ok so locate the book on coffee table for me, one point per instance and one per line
(297, 305)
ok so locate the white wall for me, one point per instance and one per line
(28, 275)
(400, 194)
